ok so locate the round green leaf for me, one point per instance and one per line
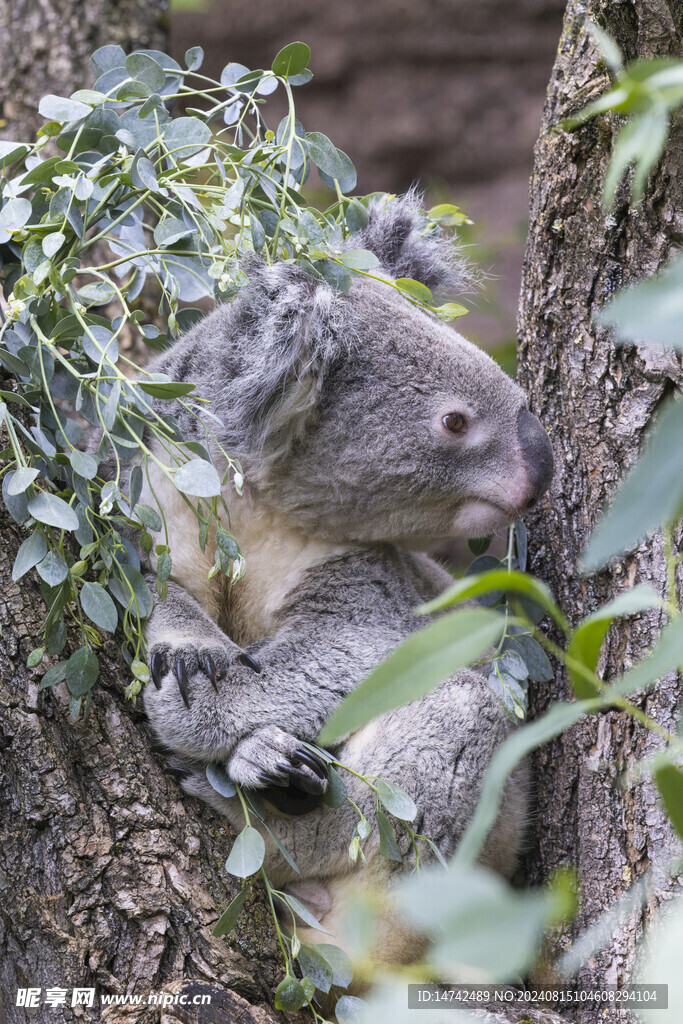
(290, 995)
(198, 478)
(52, 243)
(82, 670)
(220, 780)
(185, 136)
(49, 509)
(146, 69)
(291, 60)
(350, 1010)
(247, 853)
(31, 552)
(194, 58)
(99, 607)
(360, 259)
(396, 801)
(15, 214)
(83, 464)
(339, 961)
(21, 480)
(53, 569)
(315, 967)
(58, 108)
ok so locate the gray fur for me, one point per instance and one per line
(333, 403)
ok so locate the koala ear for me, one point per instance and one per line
(397, 232)
(285, 330)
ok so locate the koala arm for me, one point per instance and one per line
(210, 701)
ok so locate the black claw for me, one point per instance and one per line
(209, 666)
(272, 780)
(246, 659)
(312, 760)
(181, 675)
(157, 667)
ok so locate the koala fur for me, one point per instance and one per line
(334, 406)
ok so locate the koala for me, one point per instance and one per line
(368, 431)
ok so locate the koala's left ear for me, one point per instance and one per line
(397, 232)
(286, 329)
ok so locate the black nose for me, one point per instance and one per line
(537, 452)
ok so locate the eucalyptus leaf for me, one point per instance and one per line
(98, 606)
(247, 853)
(228, 919)
(52, 568)
(198, 478)
(32, 551)
(53, 511)
(291, 60)
(396, 801)
(82, 670)
(220, 780)
(57, 108)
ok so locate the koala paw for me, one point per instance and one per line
(271, 757)
(208, 658)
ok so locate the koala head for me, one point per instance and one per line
(364, 418)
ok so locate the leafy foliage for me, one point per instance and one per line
(119, 192)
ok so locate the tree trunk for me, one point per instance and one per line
(109, 878)
(597, 401)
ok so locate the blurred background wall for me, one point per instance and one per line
(445, 92)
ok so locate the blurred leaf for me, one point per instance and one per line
(478, 923)
(650, 312)
(641, 142)
(660, 959)
(350, 1009)
(652, 494)
(497, 580)
(669, 779)
(587, 639)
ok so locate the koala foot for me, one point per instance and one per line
(271, 758)
(187, 659)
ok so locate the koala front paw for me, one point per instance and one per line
(271, 757)
(211, 659)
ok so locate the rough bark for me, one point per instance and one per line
(597, 402)
(45, 46)
(109, 877)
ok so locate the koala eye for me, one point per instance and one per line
(456, 422)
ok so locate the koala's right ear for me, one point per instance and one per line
(285, 329)
(398, 233)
